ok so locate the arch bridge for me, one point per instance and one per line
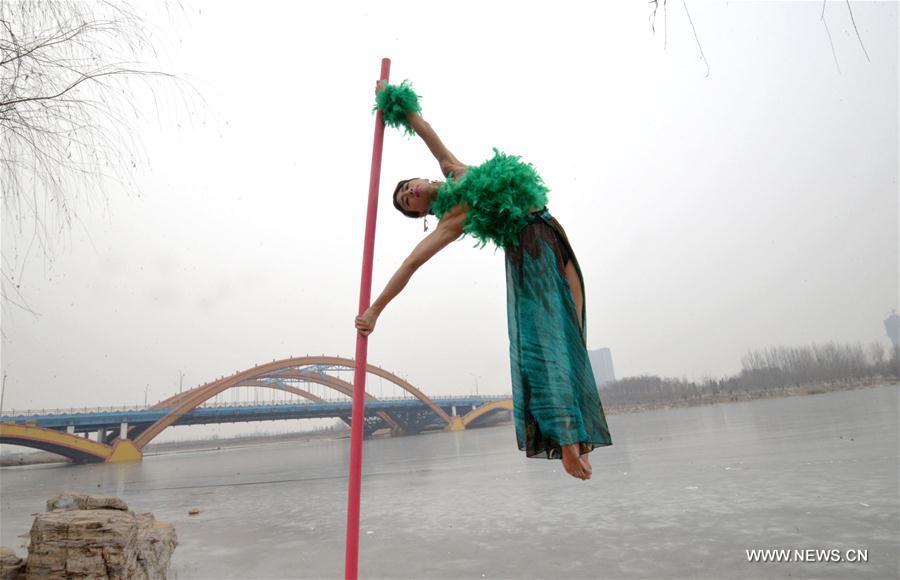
(285, 375)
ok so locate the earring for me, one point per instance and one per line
(425, 223)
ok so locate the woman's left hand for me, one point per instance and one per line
(365, 324)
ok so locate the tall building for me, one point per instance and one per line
(891, 327)
(601, 362)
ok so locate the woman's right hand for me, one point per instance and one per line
(365, 324)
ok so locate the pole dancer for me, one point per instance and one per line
(556, 404)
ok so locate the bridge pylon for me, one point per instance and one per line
(456, 424)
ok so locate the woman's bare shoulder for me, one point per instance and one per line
(455, 217)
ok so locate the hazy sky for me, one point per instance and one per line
(753, 207)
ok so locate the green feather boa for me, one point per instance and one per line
(394, 102)
(498, 193)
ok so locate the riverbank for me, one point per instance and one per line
(42, 457)
(791, 391)
(170, 447)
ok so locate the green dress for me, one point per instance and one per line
(555, 397)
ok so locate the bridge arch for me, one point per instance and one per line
(321, 378)
(502, 404)
(250, 383)
(184, 402)
(78, 449)
(327, 380)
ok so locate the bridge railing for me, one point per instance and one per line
(93, 409)
(114, 409)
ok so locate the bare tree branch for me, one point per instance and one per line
(830, 41)
(697, 38)
(68, 103)
(858, 37)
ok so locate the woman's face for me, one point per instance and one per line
(416, 195)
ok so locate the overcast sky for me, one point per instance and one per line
(751, 207)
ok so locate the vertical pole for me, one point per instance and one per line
(351, 561)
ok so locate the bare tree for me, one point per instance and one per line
(771, 369)
(655, 6)
(68, 100)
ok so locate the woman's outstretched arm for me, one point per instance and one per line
(448, 162)
(447, 230)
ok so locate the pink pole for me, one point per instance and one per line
(351, 560)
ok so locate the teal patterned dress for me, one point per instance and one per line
(555, 397)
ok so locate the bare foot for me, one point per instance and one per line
(572, 463)
(586, 463)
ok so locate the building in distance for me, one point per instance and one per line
(601, 362)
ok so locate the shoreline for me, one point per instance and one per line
(43, 457)
(743, 396)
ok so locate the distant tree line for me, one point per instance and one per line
(774, 368)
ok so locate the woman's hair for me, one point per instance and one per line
(397, 203)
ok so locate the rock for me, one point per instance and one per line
(156, 542)
(98, 537)
(194, 511)
(82, 501)
(12, 567)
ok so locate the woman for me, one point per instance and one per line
(556, 404)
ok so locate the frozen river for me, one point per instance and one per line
(680, 494)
